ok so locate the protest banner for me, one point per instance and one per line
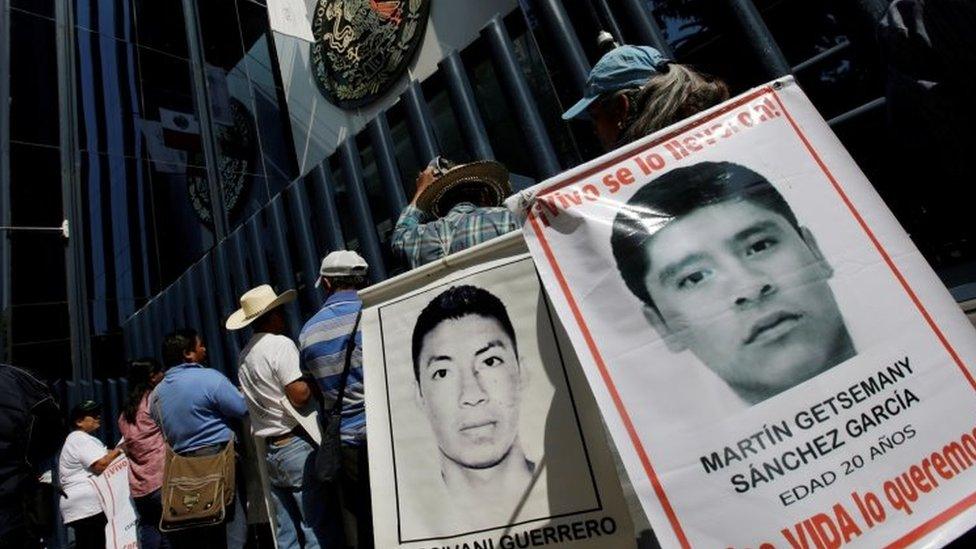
(112, 487)
(776, 362)
(482, 431)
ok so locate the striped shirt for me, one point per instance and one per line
(323, 346)
(421, 241)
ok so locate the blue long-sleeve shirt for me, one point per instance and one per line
(195, 407)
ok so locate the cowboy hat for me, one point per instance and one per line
(485, 180)
(254, 303)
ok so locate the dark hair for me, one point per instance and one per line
(347, 282)
(84, 409)
(140, 372)
(667, 98)
(176, 344)
(454, 303)
(678, 193)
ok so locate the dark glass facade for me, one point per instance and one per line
(116, 96)
(168, 124)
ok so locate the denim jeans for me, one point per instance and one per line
(288, 466)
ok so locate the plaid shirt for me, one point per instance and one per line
(421, 241)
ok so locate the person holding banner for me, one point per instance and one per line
(455, 207)
(270, 371)
(633, 91)
(724, 269)
(469, 385)
(82, 457)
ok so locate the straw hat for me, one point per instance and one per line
(485, 180)
(254, 303)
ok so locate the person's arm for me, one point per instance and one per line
(298, 393)
(101, 464)
(289, 374)
(413, 238)
(92, 452)
(228, 399)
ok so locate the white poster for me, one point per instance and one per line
(112, 487)
(290, 17)
(777, 363)
(482, 431)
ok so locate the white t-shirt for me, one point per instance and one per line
(268, 363)
(79, 452)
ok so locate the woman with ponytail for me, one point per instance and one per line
(145, 450)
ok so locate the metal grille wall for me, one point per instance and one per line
(283, 243)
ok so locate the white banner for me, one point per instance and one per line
(112, 487)
(290, 17)
(482, 430)
(777, 363)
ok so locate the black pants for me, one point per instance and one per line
(355, 491)
(149, 509)
(89, 532)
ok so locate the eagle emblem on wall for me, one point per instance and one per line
(363, 46)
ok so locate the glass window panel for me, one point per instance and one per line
(113, 18)
(38, 7)
(35, 190)
(117, 235)
(182, 217)
(244, 194)
(108, 100)
(160, 25)
(33, 80)
(220, 33)
(261, 66)
(39, 318)
(41, 341)
(276, 144)
(167, 94)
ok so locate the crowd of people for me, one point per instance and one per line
(181, 420)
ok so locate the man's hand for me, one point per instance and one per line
(424, 179)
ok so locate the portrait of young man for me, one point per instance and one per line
(469, 385)
(724, 269)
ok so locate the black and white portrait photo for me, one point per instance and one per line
(486, 430)
(469, 385)
(723, 268)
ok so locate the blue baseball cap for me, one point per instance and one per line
(620, 68)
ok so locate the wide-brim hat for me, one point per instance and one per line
(487, 179)
(254, 303)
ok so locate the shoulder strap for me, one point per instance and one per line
(157, 401)
(350, 347)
